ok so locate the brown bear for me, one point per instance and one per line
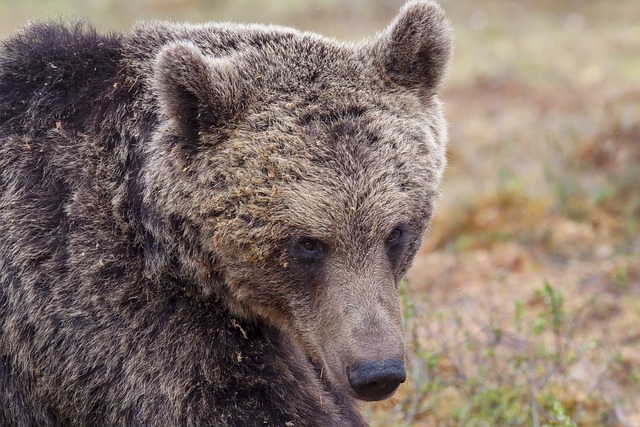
(205, 225)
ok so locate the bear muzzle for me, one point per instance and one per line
(376, 380)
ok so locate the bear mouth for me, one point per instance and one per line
(318, 369)
(322, 376)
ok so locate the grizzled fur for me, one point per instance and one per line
(206, 224)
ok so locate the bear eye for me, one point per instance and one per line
(308, 250)
(310, 246)
(395, 236)
(396, 243)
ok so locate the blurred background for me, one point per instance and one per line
(523, 308)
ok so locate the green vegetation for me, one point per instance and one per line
(515, 373)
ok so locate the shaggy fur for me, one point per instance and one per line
(206, 224)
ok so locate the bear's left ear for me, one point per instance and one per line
(414, 50)
(197, 93)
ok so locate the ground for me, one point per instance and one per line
(523, 308)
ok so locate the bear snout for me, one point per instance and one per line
(376, 380)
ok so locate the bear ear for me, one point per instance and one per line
(414, 50)
(199, 94)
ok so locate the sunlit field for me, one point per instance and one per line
(523, 307)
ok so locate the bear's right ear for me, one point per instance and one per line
(199, 94)
(414, 50)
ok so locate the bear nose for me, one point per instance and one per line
(376, 380)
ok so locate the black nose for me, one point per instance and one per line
(376, 380)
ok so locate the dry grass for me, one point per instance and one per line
(524, 305)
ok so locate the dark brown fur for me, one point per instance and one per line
(157, 192)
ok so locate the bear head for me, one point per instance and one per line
(303, 174)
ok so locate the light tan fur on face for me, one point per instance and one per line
(361, 318)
